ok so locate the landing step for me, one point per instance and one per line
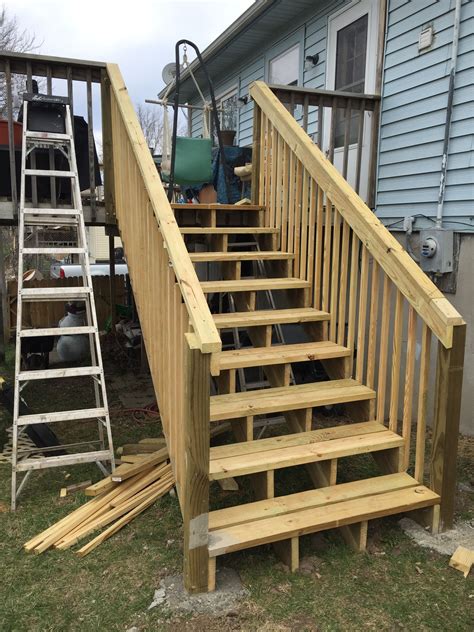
(239, 459)
(228, 230)
(284, 517)
(283, 398)
(253, 285)
(277, 354)
(40, 463)
(269, 317)
(217, 207)
(257, 255)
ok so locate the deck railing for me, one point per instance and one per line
(344, 125)
(382, 306)
(74, 78)
(177, 325)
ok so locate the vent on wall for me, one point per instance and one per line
(426, 38)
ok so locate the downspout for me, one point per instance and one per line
(449, 113)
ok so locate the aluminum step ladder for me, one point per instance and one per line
(102, 448)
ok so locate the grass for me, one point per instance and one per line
(395, 585)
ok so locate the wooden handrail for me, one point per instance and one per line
(41, 64)
(207, 336)
(317, 96)
(427, 300)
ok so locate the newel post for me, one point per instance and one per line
(195, 491)
(449, 375)
(256, 149)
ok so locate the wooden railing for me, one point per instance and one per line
(60, 76)
(344, 125)
(177, 325)
(382, 306)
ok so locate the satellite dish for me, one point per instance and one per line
(168, 74)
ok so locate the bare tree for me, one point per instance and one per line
(16, 40)
(151, 121)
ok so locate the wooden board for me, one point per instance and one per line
(269, 317)
(253, 285)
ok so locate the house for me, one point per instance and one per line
(401, 52)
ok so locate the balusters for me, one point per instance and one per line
(305, 204)
(409, 379)
(319, 247)
(287, 202)
(364, 283)
(383, 349)
(90, 145)
(341, 329)
(396, 358)
(297, 214)
(335, 274)
(313, 197)
(423, 383)
(353, 297)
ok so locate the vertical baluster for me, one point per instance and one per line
(373, 155)
(90, 139)
(273, 183)
(360, 141)
(11, 137)
(396, 359)
(332, 134)
(409, 379)
(305, 112)
(347, 136)
(279, 192)
(268, 171)
(319, 247)
(34, 182)
(313, 192)
(327, 256)
(341, 327)
(335, 274)
(286, 201)
(292, 205)
(364, 283)
(372, 349)
(304, 226)
(383, 356)
(52, 181)
(422, 402)
(320, 123)
(354, 279)
(297, 224)
(263, 158)
(257, 165)
(70, 92)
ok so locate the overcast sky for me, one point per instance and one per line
(139, 35)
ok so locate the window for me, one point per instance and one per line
(285, 68)
(351, 52)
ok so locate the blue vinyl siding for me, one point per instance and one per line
(414, 100)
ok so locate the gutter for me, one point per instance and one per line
(239, 26)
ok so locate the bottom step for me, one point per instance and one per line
(245, 526)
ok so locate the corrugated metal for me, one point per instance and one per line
(413, 115)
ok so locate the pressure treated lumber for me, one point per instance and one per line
(217, 207)
(228, 230)
(269, 317)
(310, 520)
(257, 255)
(154, 459)
(462, 560)
(285, 398)
(278, 354)
(253, 285)
(238, 459)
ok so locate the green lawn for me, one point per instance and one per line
(396, 585)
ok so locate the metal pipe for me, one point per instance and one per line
(449, 114)
(182, 105)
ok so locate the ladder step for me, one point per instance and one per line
(239, 459)
(253, 285)
(55, 293)
(269, 317)
(57, 331)
(52, 211)
(257, 255)
(283, 398)
(40, 463)
(43, 220)
(73, 250)
(50, 173)
(280, 518)
(47, 374)
(65, 415)
(230, 230)
(47, 136)
(277, 354)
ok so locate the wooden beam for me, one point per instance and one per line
(449, 375)
(195, 504)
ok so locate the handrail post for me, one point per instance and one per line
(195, 492)
(256, 164)
(449, 374)
(107, 149)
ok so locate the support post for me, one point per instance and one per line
(107, 149)
(113, 313)
(195, 503)
(449, 374)
(256, 154)
(3, 302)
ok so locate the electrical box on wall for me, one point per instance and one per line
(436, 250)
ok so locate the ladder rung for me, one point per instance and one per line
(73, 250)
(50, 173)
(47, 136)
(47, 374)
(43, 220)
(57, 331)
(51, 211)
(64, 415)
(40, 463)
(54, 293)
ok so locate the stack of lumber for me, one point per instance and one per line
(117, 499)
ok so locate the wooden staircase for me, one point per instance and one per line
(306, 273)
(283, 519)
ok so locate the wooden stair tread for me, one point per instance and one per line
(253, 285)
(297, 449)
(283, 398)
(257, 255)
(228, 230)
(217, 207)
(269, 317)
(280, 354)
(284, 517)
